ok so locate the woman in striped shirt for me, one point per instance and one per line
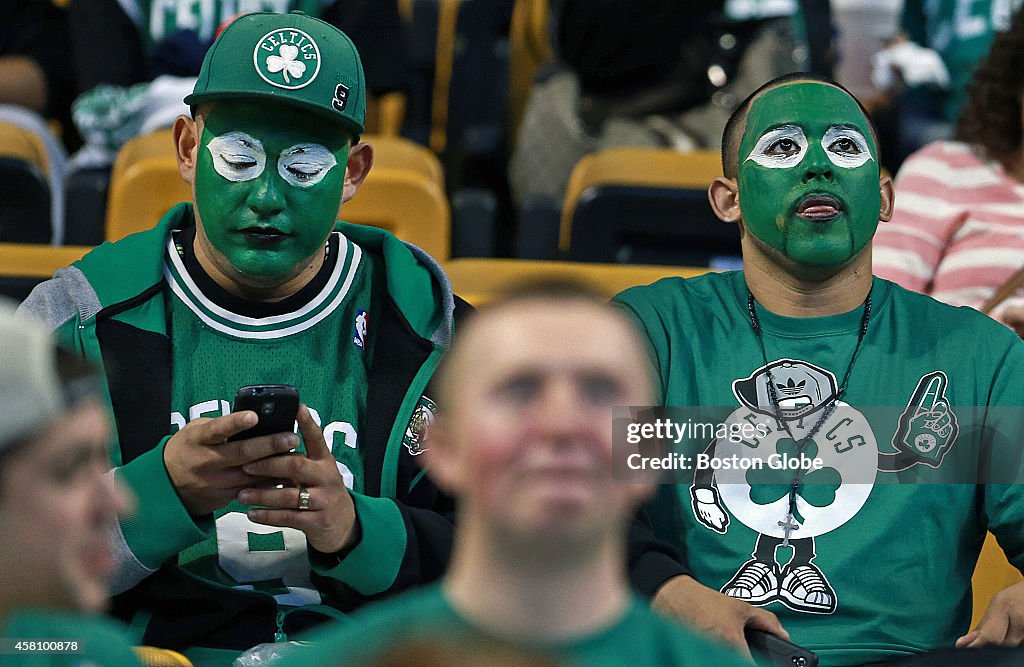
(958, 229)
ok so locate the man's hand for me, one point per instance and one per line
(1003, 622)
(720, 616)
(330, 519)
(206, 470)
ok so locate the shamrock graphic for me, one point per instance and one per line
(286, 62)
(817, 487)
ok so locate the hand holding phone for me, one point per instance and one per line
(769, 650)
(276, 406)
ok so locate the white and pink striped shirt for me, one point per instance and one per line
(957, 233)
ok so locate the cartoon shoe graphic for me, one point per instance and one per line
(755, 582)
(805, 588)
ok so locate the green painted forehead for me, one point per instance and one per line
(810, 105)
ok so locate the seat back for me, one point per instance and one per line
(992, 574)
(144, 184)
(529, 48)
(24, 265)
(25, 216)
(479, 281)
(643, 205)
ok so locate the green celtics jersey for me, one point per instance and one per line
(639, 637)
(868, 554)
(317, 341)
(53, 638)
(159, 19)
(961, 31)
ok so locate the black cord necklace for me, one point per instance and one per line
(788, 524)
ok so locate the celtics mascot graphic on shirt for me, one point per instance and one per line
(804, 479)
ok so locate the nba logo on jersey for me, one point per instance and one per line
(359, 331)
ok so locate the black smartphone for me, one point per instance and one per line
(771, 651)
(276, 405)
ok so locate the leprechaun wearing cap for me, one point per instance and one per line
(911, 408)
(240, 542)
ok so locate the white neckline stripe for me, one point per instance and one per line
(314, 303)
(339, 297)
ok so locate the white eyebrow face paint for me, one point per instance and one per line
(304, 165)
(237, 156)
(780, 148)
(846, 147)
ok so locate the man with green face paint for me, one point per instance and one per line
(880, 385)
(236, 543)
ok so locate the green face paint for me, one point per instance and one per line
(808, 174)
(268, 186)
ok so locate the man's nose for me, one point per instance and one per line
(266, 198)
(817, 165)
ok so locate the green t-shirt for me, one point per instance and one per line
(318, 343)
(63, 639)
(639, 637)
(875, 570)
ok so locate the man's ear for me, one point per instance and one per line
(724, 196)
(360, 159)
(186, 142)
(888, 198)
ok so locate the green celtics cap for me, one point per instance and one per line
(292, 58)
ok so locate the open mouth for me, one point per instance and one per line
(819, 208)
(262, 234)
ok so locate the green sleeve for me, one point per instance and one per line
(372, 565)
(653, 336)
(1004, 502)
(160, 527)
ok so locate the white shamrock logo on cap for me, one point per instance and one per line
(286, 63)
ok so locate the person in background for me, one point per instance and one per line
(526, 448)
(58, 504)
(957, 232)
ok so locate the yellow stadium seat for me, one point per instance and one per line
(407, 204)
(992, 574)
(385, 114)
(479, 281)
(444, 57)
(24, 265)
(151, 656)
(37, 260)
(404, 192)
(529, 48)
(400, 153)
(646, 167)
(22, 144)
(144, 184)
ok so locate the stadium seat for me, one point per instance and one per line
(407, 204)
(25, 216)
(144, 184)
(644, 205)
(385, 114)
(529, 48)
(398, 153)
(992, 574)
(151, 656)
(481, 280)
(24, 265)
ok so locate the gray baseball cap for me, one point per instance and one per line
(32, 391)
